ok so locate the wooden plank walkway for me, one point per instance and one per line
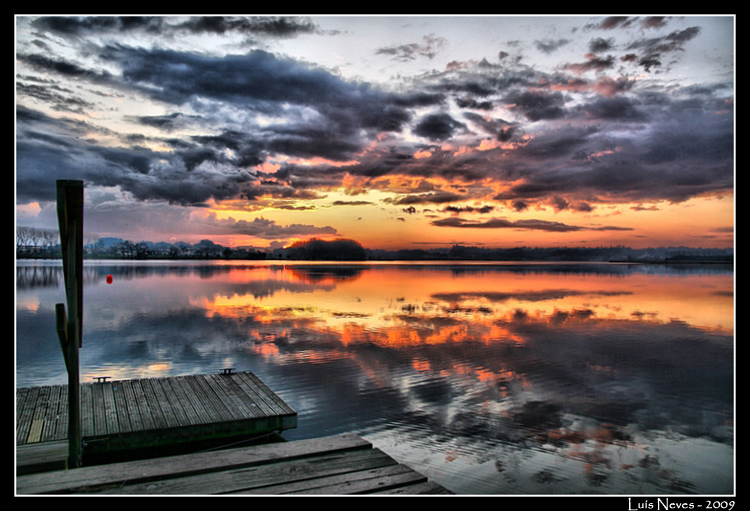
(141, 413)
(336, 465)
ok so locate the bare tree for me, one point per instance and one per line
(35, 238)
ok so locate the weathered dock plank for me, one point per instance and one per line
(127, 414)
(41, 457)
(376, 474)
(268, 400)
(340, 464)
(39, 412)
(87, 414)
(53, 411)
(180, 466)
(198, 412)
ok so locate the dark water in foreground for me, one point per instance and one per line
(488, 378)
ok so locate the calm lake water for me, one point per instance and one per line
(489, 378)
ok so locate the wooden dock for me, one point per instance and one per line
(337, 465)
(125, 415)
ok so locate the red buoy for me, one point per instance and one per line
(109, 279)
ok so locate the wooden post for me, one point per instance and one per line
(70, 219)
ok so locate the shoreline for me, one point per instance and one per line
(726, 262)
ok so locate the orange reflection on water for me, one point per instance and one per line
(395, 307)
(114, 373)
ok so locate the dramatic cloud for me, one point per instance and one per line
(194, 111)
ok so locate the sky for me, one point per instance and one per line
(395, 131)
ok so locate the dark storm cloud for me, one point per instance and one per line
(259, 81)
(599, 44)
(61, 67)
(247, 151)
(437, 126)
(312, 142)
(277, 26)
(537, 105)
(615, 109)
(168, 123)
(52, 147)
(56, 147)
(636, 147)
(501, 129)
(659, 170)
(84, 25)
(63, 99)
(178, 77)
(639, 146)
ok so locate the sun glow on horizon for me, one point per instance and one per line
(389, 217)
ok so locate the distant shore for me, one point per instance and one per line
(727, 260)
(42, 244)
(350, 250)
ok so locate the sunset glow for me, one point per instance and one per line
(397, 132)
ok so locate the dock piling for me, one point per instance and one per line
(70, 219)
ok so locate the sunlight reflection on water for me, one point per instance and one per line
(526, 379)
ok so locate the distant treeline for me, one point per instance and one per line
(32, 243)
(593, 254)
(44, 244)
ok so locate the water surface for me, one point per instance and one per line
(488, 378)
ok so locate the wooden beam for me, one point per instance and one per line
(70, 220)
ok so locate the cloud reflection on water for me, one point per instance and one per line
(578, 374)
